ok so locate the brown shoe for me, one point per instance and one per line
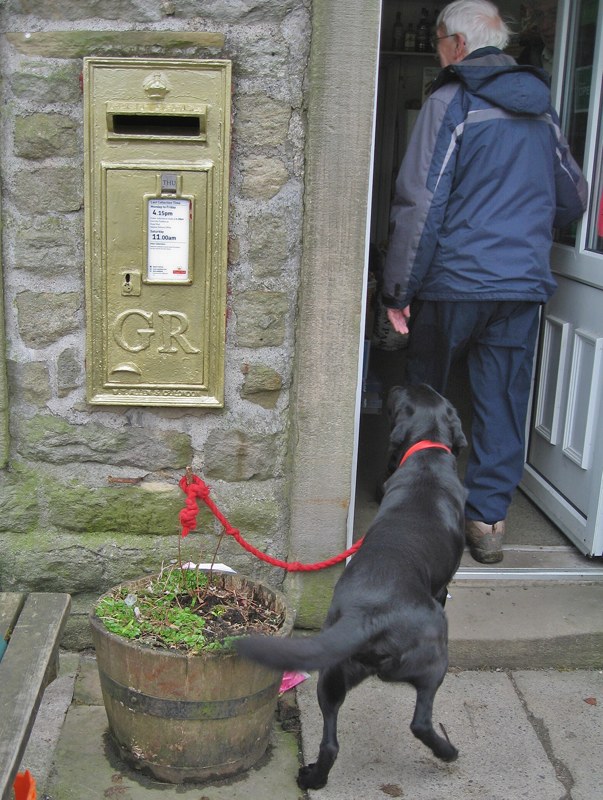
(485, 540)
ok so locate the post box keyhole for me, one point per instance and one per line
(131, 283)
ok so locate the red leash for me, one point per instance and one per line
(188, 519)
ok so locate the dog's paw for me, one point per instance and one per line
(308, 779)
(448, 752)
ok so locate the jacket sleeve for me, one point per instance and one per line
(570, 184)
(408, 251)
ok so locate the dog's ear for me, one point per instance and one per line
(456, 430)
(393, 400)
(399, 404)
(400, 408)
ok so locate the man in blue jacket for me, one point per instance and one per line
(486, 177)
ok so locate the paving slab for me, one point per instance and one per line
(85, 765)
(566, 708)
(501, 756)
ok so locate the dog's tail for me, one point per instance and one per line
(328, 647)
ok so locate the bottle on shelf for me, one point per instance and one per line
(398, 34)
(423, 43)
(409, 38)
(433, 27)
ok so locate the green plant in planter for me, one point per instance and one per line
(184, 609)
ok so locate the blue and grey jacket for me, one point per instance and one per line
(486, 177)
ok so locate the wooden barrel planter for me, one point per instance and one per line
(188, 718)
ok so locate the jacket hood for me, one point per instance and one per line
(499, 80)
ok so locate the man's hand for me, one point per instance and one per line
(399, 318)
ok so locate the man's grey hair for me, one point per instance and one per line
(479, 21)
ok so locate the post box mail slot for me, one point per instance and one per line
(157, 138)
(141, 121)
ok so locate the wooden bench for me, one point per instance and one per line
(30, 630)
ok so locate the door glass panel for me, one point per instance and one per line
(537, 24)
(574, 115)
(595, 228)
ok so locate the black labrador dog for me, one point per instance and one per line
(386, 617)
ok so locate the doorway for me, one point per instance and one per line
(533, 541)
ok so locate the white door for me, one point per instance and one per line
(564, 469)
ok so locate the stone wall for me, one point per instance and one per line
(88, 495)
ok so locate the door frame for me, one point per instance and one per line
(324, 412)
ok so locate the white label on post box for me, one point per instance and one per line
(168, 239)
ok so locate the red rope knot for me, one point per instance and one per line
(196, 488)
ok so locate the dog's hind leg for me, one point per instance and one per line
(333, 685)
(331, 694)
(422, 724)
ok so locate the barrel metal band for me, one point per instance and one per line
(185, 709)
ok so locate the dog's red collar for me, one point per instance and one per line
(424, 444)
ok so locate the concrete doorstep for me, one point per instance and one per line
(511, 625)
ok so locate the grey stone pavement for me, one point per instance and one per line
(527, 723)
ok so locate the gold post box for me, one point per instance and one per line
(157, 146)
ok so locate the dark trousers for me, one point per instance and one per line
(498, 338)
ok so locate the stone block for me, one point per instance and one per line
(263, 177)
(30, 382)
(262, 385)
(76, 9)
(44, 84)
(19, 506)
(69, 370)
(48, 247)
(315, 591)
(57, 188)
(260, 318)
(254, 517)
(78, 43)
(261, 55)
(237, 455)
(268, 246)
(261, 121)
(39, 136)
(46, 561)
(231, 11)
(121, 509)
(53, 440)
(44, 317)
